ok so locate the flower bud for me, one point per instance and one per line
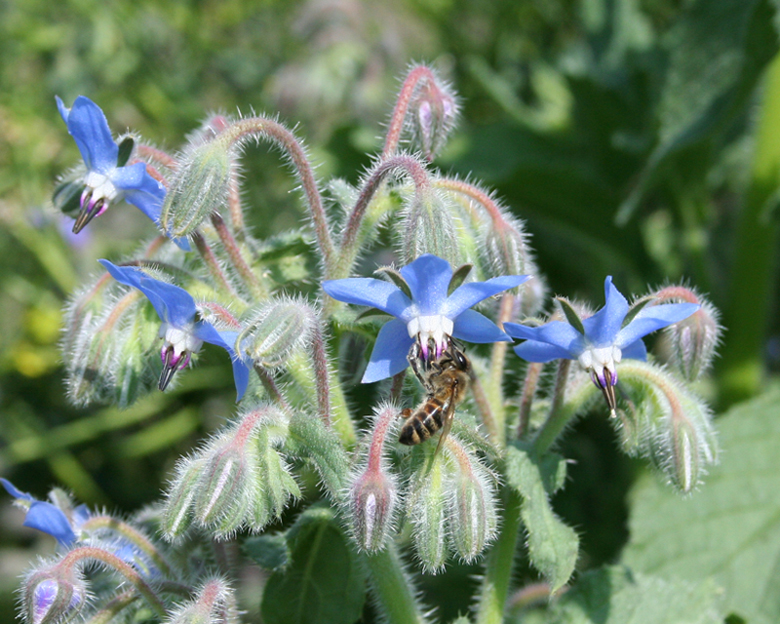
(214, 604)
(201, 186)
(276, 329)
(427, 510)
(471, 503)
(53, 594)
(430, 226)
(693, 341)
(674, 426)
(224, 494)
(275, 487)
(434, 113)
(176, 512)
(372, 504)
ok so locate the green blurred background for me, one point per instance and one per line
(636, 138)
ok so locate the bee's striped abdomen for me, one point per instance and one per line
(423, 423)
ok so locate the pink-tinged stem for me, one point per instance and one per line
(383, 421)
(320, 361)
(274, 131)
(398, 117)
(532, 375)
(483, 405)
(419, 176)
(234, 206)
(213, 265)
(230, 245)
(157, 155)
(83, 553)
(270, 386)
(139, 539)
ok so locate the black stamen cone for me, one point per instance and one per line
(168, 370)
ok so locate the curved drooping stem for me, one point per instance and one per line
(262, 127)
(398, 117)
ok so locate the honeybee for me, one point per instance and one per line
(446, 379)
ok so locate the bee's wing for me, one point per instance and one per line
(449, 416)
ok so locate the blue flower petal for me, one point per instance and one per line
(541, 352)
(369, 292)
(390, 350)
(429, 279)
(89, 128)
(602, 328)
(472, 293)
(556, 333)
(133, 276)
(179, 305)
(16, 493)
(651, 318)
(226, 339)
(635, 351)
(50, 519)
(64, 110)
(472, 326)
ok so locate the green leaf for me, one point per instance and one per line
(458, 277)
(717, 52)
(323, 583)
(397, 279)
(730, 530)
(268, 551)
(125, 149)
(615, 595)
(552, 545)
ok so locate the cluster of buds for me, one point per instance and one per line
(205, 280)
(238, 479)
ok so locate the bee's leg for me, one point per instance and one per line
(405, 413)
(414, 362)
(449, 417)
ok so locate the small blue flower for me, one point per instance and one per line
(47, 517)
(430, 315)
(183, 333)
(106, 179)
(606, 338)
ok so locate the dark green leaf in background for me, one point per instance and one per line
(730, 530)
(615, 595)
(323, 583)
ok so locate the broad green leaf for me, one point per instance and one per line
(615, 595)
(717, 51)
(267, 551)
(323, 583)
(552, 545)
(729, 530)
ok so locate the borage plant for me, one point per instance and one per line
(381, 514)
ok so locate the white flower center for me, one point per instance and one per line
(102, 187)
(597, 359)
(182, 341)
(435, 326)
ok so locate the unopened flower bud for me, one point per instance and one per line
(434, 113)
(177, 517)
(430, 227)
(275, 487)
(224, 494)
(372, 503)
(201, 186)
(471, 501)
(693, 341)
(53, 594)
(214, 604)
(276, 329)
(427, 511)
(674, 426)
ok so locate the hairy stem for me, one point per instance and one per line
(276, 132)
(498, 566)
(133, 535)
(558, 418)
(394, 131)
(82, 553)
(212, 264)
(393, 588)
(229, 243)
(530, 383)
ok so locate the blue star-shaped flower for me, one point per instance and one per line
(431, 314)
(183, 333)
(107, 179)
(603, 340)
(47, 517)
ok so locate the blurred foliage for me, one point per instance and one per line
(622, 131)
